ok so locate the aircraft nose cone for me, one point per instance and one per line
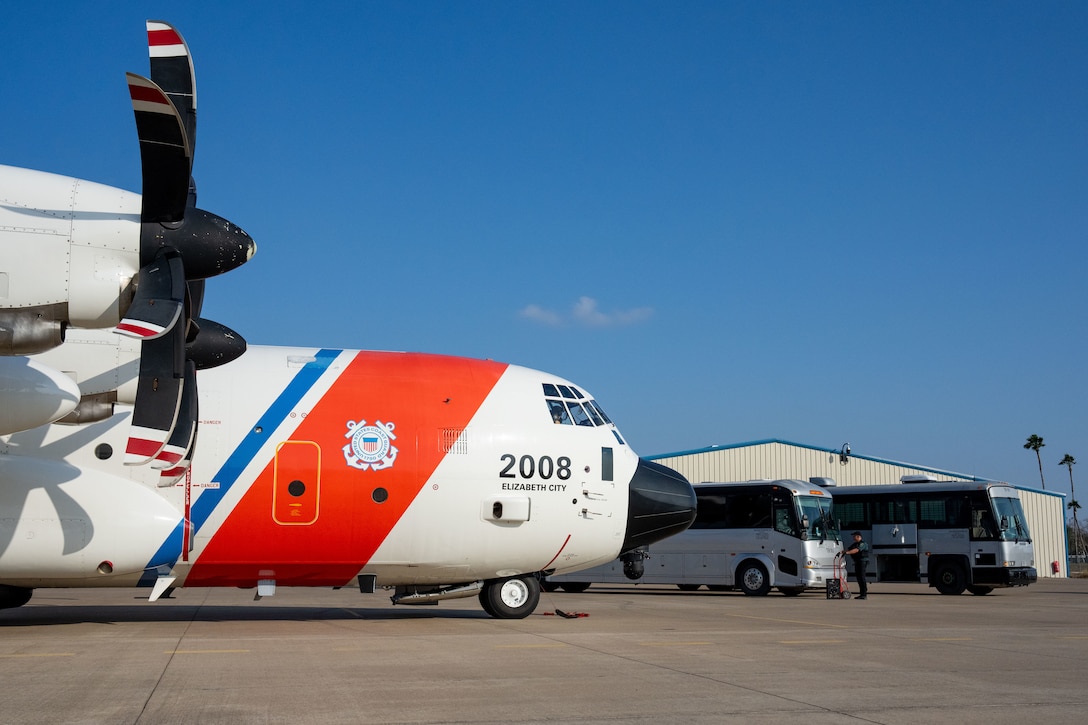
(662, 504)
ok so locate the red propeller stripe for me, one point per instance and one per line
(142, 331)
(144, 447)
(173, 473)
(165, 36)
(170, 455)
(150, 95)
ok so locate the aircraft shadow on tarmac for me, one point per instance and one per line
(31, 616)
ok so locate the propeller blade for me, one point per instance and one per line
(180, 246)
(165, 155)
(159, 299)
(158, 396)
(196, 298)
(172, 71)
(181, 438)
(171, 476)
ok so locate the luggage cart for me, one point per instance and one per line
(837, 586)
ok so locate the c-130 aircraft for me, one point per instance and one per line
(431, 476)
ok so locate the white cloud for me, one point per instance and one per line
(541, 315)
(587, 313)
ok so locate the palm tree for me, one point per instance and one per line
(1068, 462)
(1035, 443)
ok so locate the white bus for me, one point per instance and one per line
(751, 535)
(952, 535)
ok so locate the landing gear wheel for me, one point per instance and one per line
(753, 579)
(514, 598)
(950, 579)
(548, 586)
(979, 591)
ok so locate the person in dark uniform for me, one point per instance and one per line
(859, 552)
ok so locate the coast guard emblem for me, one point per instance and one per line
(371, 446)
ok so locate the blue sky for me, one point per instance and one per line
(823, 222)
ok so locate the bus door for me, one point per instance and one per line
(895, 550)
(945, 520)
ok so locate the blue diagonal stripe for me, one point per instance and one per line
(242, 456)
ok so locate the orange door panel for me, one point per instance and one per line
(296, 489)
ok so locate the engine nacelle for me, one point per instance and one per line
(33, 394)
(71, 262)
(65, 526)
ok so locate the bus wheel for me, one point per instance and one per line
(950, 579)
(979, 591)
(574, 587)
(514, 598)
(688, 587)
(753, 579)
(791, 591)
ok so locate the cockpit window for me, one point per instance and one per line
(558, 412)
(593, 413)
(596, 406)
(579, 414)
(567, 405)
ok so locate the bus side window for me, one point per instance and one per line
(761, 511)
(850, 515)
(785, 520)
(782, 521)
(983, 525)
(710, 513)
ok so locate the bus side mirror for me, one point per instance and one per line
(804, 522)
(1004, 523)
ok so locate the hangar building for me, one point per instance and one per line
(774, 458)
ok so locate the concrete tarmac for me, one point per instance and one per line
(644, 654)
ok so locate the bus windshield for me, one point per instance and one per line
(821, 525)
(1012, 523)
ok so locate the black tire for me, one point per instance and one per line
(950, 579)
(979, 591)
(753, 580)
(513, 598)
(548, 586)
(574, 587)
(688, 587)
(12, 597)
(791, 591)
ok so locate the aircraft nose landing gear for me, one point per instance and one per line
(513, 598)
